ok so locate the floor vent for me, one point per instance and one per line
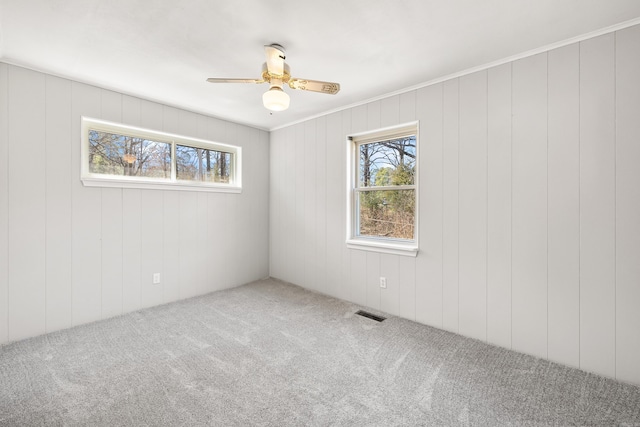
(370, 315)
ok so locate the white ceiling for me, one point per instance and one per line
(164, 50)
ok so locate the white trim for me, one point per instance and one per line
(526, 54)
(383, 247)
(158, 185)
(103, 180)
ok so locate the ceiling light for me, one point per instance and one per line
(275, 99)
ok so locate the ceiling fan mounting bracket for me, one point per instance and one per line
(284, 77)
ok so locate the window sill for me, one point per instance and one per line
(383, 247)
(180, 186)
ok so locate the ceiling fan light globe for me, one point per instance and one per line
(275, 99)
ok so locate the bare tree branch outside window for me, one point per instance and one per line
(383, 210)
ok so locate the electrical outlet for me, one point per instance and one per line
(156, 278)
(383, 282)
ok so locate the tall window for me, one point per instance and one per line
(116, 155)
(383, 195)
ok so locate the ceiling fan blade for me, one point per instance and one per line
(275, 59)
(315, 86)
(214, 80)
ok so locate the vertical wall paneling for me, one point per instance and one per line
(131, 109)
(564, 205)
(450, 207)
(111, 251)
(288, 200)
(300, 242)
(372, 279)
(335, 165)
(170, 272)
(358, 119)
(111, 227)
(499, 206)
(151, 115)
(26, 191)
(204, 281)
(251, 192)
(529, 208)
(472, 199)
(170, 119)
(276, 199)
(233, 254)
(86, 217)
(321, 203)
(390, 111)
(357, 280)
(4, 205)
(279, 194)
(373, 113)
(260, 204)
(407, 287)
(407, 107)
(188, 244)
(597, 205)
(389, 296)
(309, 224)
(110, 106)
(428, 293)
(407, 265)
(58, 203)
(131, 250)
(214, 249)
(627, 204)
(151, 246)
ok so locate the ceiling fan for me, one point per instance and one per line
(277, 74)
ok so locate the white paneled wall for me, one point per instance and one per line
(627, 204)
(529, 206)
(71, 254)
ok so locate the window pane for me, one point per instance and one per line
(113, 154)
(199, 164)
(384, 163)
(387, 213)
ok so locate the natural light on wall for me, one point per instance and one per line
(116, 155)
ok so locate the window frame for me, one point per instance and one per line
(90, 179)
(407, 247)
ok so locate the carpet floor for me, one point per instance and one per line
(273, 354)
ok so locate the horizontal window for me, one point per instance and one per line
(115, 155)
